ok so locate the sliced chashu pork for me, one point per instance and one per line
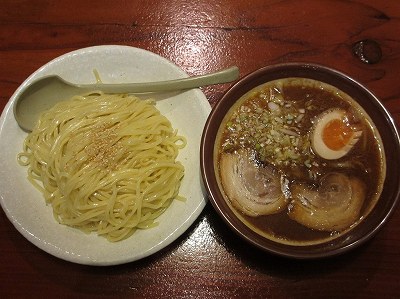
(334, 206)
(253, 189)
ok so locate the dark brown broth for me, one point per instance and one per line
(365, 158)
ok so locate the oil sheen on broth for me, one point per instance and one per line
(299, 161)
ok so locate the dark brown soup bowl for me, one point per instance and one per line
(384, 123)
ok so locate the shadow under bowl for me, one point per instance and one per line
(384, 123)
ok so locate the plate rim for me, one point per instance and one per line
(86, 260)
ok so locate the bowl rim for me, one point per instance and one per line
(379, 214)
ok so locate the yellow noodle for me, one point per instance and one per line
(105, 163)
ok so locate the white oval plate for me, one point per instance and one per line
(25, 206)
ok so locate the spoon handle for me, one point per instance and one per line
(223, 76)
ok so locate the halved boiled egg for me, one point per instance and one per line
(333, 136)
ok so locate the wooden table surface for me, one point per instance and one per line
(360, 38)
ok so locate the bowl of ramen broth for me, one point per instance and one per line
(295, 159)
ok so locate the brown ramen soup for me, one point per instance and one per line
(299, 161)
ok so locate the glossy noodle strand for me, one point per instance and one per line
(105, 163)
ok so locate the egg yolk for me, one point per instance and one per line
(336, 134)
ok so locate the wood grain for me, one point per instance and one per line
(208, 261)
